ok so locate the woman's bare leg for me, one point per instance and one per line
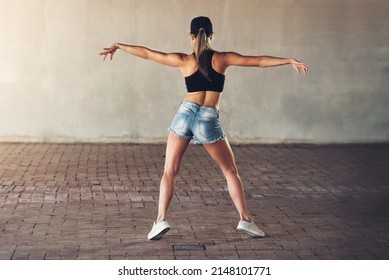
(222, 154)
(175, 149)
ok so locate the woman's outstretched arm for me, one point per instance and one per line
(169, 59)
(235, 59)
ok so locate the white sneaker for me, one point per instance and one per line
(250, 228)
(158, 230)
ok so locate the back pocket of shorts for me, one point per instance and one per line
(179, 122)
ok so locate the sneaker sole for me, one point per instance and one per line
(250, 233)
(159, 235)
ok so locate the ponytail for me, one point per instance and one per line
(201, 49)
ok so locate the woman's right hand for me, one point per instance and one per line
(109, 51)
(300, 67)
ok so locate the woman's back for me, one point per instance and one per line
(214, 81)
(200, 89)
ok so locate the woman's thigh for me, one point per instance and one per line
(175, 150)
(222, 154)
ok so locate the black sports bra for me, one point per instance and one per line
(197, 81)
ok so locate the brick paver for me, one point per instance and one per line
(98, 201)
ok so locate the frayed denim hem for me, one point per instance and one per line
(178, 135)
(221, 138)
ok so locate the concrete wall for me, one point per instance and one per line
(54, 86)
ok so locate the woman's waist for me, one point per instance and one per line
(195, 110)
(204, 98)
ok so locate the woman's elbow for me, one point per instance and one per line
(262, 62)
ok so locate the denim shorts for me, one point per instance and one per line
(200, 123)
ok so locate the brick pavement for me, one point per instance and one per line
(97, 201)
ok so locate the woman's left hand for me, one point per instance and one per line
(109, 51)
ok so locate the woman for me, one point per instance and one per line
(198, 115)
